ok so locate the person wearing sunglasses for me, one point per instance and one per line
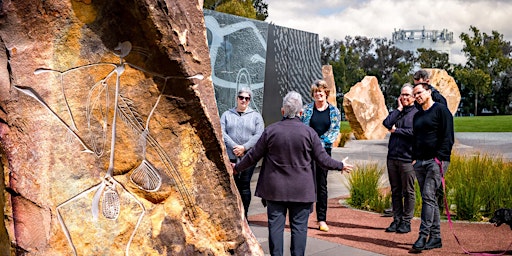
(242, 126)
(400, 171)
(324, 118)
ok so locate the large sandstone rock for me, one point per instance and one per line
(328, 76)
(446, 85)
(110, 140)
(365, 109)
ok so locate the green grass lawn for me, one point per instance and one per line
(472, 124)
(483, 123)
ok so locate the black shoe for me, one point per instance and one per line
(419, 245)
(433, 242)
(404, 227)
(392, 227)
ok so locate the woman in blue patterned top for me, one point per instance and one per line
(324, 118)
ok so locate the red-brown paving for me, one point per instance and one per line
(365, 230)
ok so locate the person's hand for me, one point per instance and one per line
(393, 129)
(400, 105)
(346, 166)
(233, 167)
(239, 150)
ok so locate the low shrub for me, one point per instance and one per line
(364, 184)
(344, 137)
(478, 185)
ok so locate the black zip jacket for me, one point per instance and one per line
(401, 141)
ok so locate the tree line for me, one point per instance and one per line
(484, 80)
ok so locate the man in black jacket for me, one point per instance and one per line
(400, 171)
(433, 142)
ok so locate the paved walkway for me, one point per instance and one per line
(373, 151)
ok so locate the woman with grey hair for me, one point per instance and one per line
(286, 181)
(241, 128)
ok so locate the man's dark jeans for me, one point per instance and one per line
(401, 178)
(429, 179)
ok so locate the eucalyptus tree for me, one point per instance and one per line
(428, 58)
(488, 54)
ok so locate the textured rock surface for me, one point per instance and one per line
(446, 85)
(329, 78)
(62, 133)
(365, 109)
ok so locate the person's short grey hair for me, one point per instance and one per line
(292, 105)
(246, 90)
(407, 85)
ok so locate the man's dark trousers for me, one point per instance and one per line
(299, 215)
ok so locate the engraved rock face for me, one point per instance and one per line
(365, 109)
(110, 140)
(446, 85)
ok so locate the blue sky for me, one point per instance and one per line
(379, 18)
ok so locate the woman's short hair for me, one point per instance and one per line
(246, 90)
(320, 85)
(292, 105)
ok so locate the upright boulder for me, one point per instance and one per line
(446, 85)
(328, 76)
(110, 140)
(365, 109)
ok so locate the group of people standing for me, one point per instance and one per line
(419, 148)
(296, 153)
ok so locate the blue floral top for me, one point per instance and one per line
(331, 135)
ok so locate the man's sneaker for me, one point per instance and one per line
(433, 242)
(392, 227)
(404, 227)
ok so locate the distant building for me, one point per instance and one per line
(413, 39)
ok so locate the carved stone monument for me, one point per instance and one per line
(365, 109)
(110, 139)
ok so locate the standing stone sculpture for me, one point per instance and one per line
(365, 109)
(328, 76)
(110, 139)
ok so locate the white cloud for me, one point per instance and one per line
(379, 18)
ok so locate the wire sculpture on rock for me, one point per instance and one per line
(107, 193)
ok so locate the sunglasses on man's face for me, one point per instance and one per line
(244, 98)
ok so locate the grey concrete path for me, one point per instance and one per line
(374, 151)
